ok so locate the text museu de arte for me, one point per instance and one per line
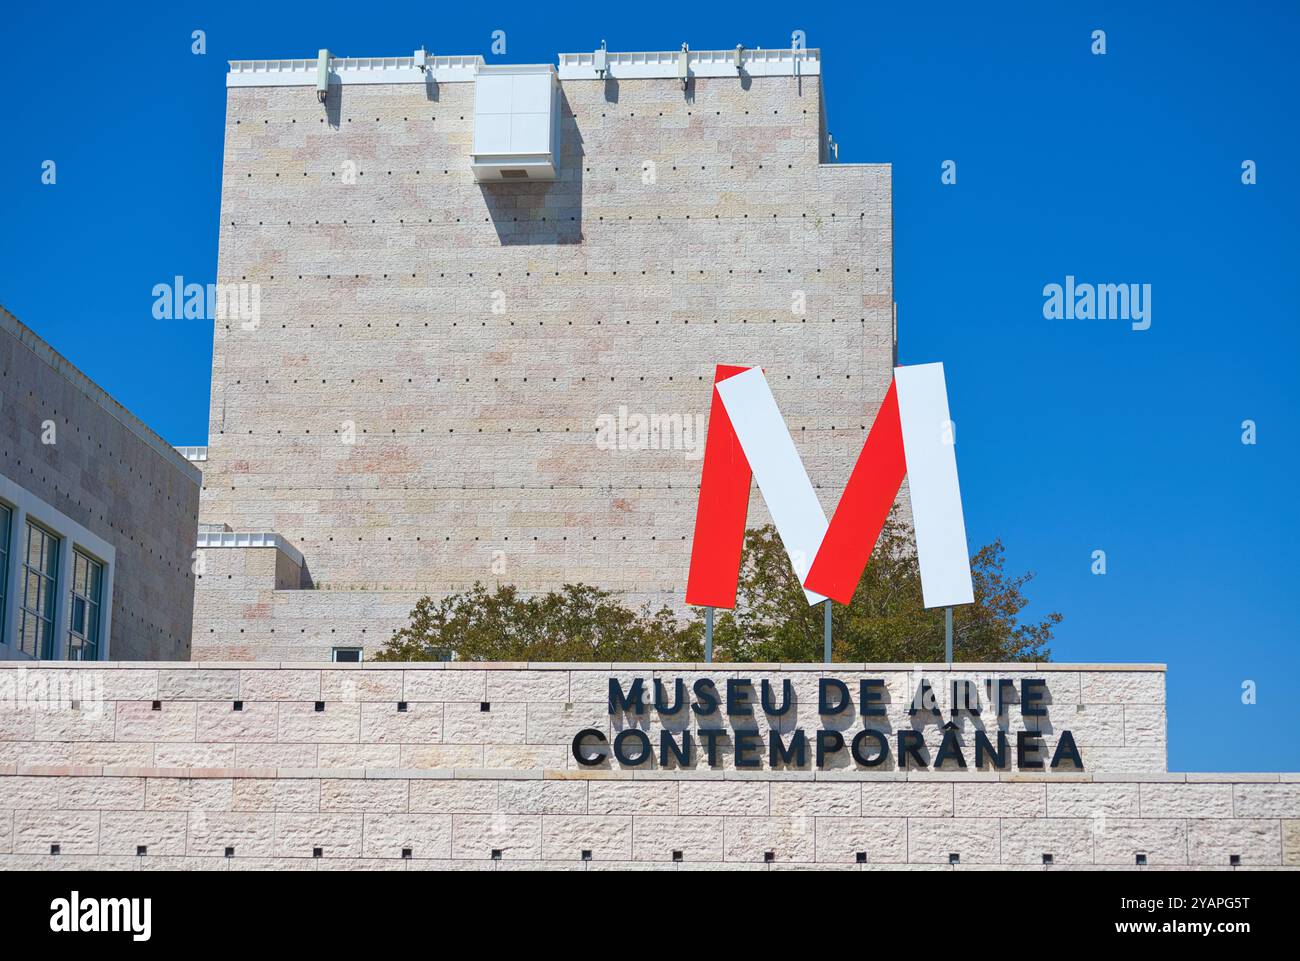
(740, 699)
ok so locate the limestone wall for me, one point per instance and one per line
(524, 717)
(474, 820)
(472, 766)
(417, 408)
(65, 441)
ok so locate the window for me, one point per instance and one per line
(87, 593)
(40, 567)
(6, 521)
(347, 655)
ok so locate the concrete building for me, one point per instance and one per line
(477, 767)
(97, 518)
(464, 370)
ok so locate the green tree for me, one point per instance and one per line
(576, 623)
(886, 621)
(772, 621)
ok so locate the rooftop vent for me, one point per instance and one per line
(516, 122)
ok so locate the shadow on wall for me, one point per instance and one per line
(543, 212)
(334, 105)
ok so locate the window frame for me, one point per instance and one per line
(6, 554)
(47, 591)
(26, 508)
(88, 603)
(359, 651)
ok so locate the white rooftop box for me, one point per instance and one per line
(516, 122)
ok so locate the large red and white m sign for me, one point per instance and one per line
(912, 436)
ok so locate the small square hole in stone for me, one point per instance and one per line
(239, 705)
(769, 856)
(1234, 860)
(496, 854)
(1047, 859)
(76, 705)
(406, 853)
(141, 850)
(484, 706)
(230, 852)
(157, 705)
(317, 852)
(54, 849)
(320, 706)
(586, 855)
(862, 857)
(1141, 859)
(401, 707)
(677, 855)
(954, 858)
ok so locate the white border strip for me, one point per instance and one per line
(650, 65)
(662, 64)
(250, 539)
(781, 476)
(930, 447)
(302, 73)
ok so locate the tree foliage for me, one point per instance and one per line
(886, 622)
(772, 622)
(576, 623)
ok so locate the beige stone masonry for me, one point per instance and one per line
(399, 766)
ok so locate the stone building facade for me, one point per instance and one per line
(97, 518)
(229, 766)
(454, 381)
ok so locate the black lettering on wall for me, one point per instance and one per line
(796, 755)
(711, 737)
(911, 744)
(643, 744)
(706, 698)
(668, 745)
(949, 747)
(787, 698)
(633, 702)
(1067, 751)
(983, 749)
(828, 688)
(1033, 697)
(880, 745)
(661, 697)
(872, 695)
(749, 750)
(579, 753)
(740, 697)
(1028, 745)
(828, 742)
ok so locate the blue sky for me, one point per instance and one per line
(1074, 435)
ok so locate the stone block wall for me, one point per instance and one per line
(433, 766)
(469, 767)
(525, 717)
(112, 475)
(417, 408)
(467, 820)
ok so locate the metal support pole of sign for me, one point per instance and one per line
(708, 635)
(826, 635)
(947, 635)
